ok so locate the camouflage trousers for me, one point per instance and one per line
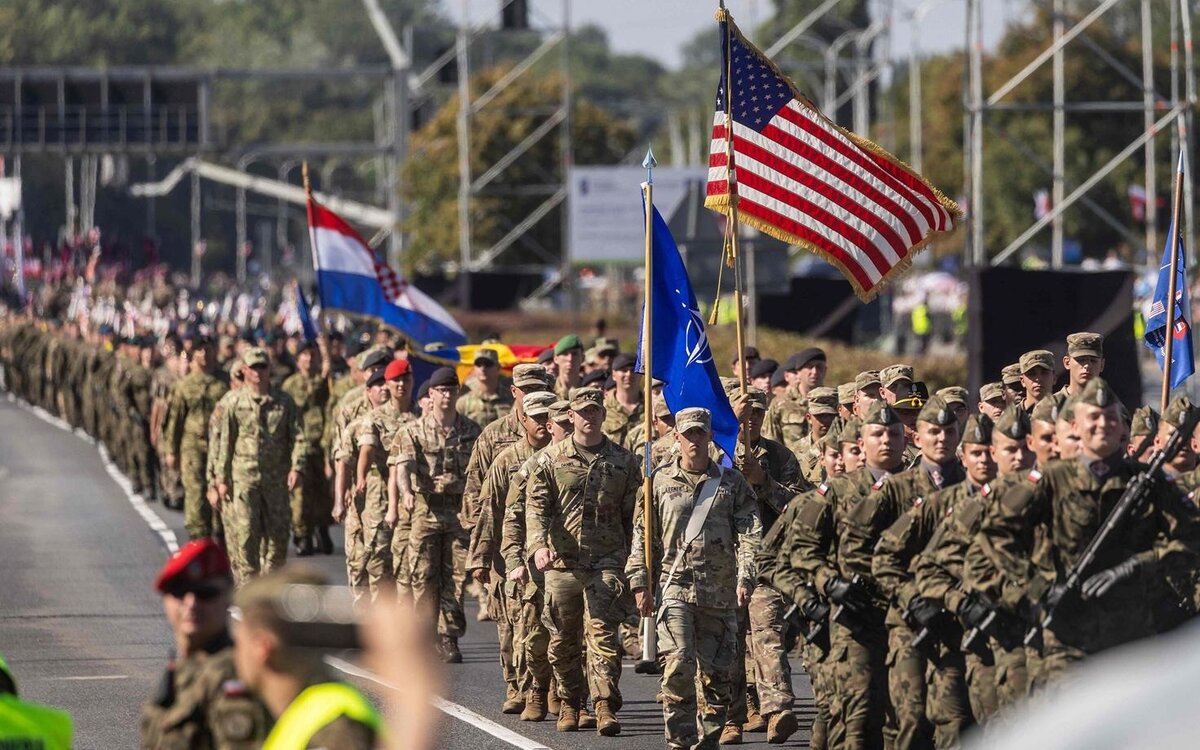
(531, 642)
(815, 658)
(860, 679)
(256, 527)
(378, 564)
(170, 482)
(437, 550)
(585, 607)
(946, 703)
(906, 668)
(198, 515)
(1012, 675)
(356, 549)
(401, 564)
(698, 650)
(772, 668)
(981, 683)
(738, 708)
(505, 608)
(312, 500)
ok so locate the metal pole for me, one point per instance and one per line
(69, 186)
(151, 207)
(916, 124)
(648, 623)
(1147, 121)
(195, 230)
(1060, 146)
(975, 19)
(281, 215)
(400, 124)
(565, 143)
(1173, 244)
(464, 145)
(752, 287)
(1189, 73)
(242, 236)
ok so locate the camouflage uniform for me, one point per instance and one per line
(192, 402)
(697, 620)
(261, 440)
(201, 704)
(377, 429)
(579, 505)
(170, 484)
(352, 406)
(483, 409)
(437, 462)
(312, 500)
(785, 421)
(617, 422)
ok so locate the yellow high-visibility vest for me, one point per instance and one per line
(920, 320)
(316, 708)
(38, 726)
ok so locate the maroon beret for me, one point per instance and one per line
(196, 561)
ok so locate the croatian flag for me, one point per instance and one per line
(352, 279)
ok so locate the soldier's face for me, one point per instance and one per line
(1038, 382)
(937, 441)
(1185, 459)
(882, 446)
(832, 462)
(1042, 441)
(693, 444)
(811, 375)
(977, 461)
(1066, 438)
(852, 457)
(1011, 455)
(198, 613)
(1099, 429)
(624, 378)
(762, 381)
(537, 428)
(378, 393)
(753, 424)
(560, 431)
(819, 424)
(569, 361)
(992, 409)
(1083, 368)
(443, 397)
(864, 397)
(304, 361)
(587, 421)
(401, 388)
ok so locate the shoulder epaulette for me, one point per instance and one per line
(1034, 476)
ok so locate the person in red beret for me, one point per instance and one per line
(200, 702)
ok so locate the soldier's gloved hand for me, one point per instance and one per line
(814, 610)
(925, 612)
(1055, 597)
(848, 594)
(973, 611)
(1101, 583)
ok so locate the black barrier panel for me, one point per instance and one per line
(488, 290)
(825, 308)
(1012, 311)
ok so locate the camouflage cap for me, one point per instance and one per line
(846, 393)
(537, 403)
(991, 392)
(978, 430)
(895, 373)
(256, 357)
(591, 356)
(234, 368)
(954, 394)
(605, 345)
(882, 413)
(1011, 374)
(294, 593)
(1098, 392)
(730, 386)
(661, 410)
(1143, 422)
(865, 379)
(483, 354)
(530, 376)
(692, 418)
(912, 403)
(1036, 358)
(937, 411)
(1013, 423)
(1085, 344)
(1177, 411)
(582, 398)
(822, 401)
(849, 431)
(559, 409)
(758, 398)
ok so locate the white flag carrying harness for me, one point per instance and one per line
(695, 524)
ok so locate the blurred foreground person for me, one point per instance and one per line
(29, 725)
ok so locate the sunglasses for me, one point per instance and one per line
(202, 592)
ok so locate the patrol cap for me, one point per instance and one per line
(377, 377)
(758, 398)
(882, 413)
(1177, 411)
(591, 356)
(528, 377)
(558, 410)
(396, 369)
(893, 374)
(763, 368)
(1013, 423)
(196, 562)
(661, 410)
(255, 357)
(486, 356)
(1144, 422)
(376, 356)
(846, 392)
(913, 402)
(567, 343)
(1036, 358)
(992, 392)
(693, 417)
(1098, 392)
(730, 385)
(623, 361)
(1085, 344)
(849, 431)
(822, 400)
(595, 379)
(803, 357)
(443, 376)
(866, 379)
(978, 429)
(937, 411)
(1011, 374)
(605, 345)
(234, 368)
(581, 398)
(954, 394)
(537, 403)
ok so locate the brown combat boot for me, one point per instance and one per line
(568, 718)
(449, 649)
(754, 720)
(535, 706)
(606, 721)
(553, 703)
(780, 726)
(586, 720)
(731, 734)
(514, 702)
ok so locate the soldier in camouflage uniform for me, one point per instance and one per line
(259, 459)
(430, 474)
(489, 398)
(664, 424)
(623, 409)
(579, 517)
(484, 561)
(785, 423)
(371, 497)
(312, 500)
(568, 355)
(192, 402)
(822, 411)
(1083, 361)
(166, 375)
(706, 571)
(399, 413)
(1037, 376)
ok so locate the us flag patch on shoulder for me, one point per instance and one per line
(1034, 475)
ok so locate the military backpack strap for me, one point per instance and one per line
(695, 524)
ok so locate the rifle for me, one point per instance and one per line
(838, 612)
(970, 636)
(1131, 499)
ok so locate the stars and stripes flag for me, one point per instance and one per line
(803, 180)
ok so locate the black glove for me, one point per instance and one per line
(1102, 582)
(973, 611)
(814, 610)
(1057, 596)
(848, 594)
(926, 613)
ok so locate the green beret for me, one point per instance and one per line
(882, 413)
(978, 429)
(567, 343)
(937, 411)
(1013, 423)
(1098, 392)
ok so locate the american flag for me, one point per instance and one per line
(804, 180)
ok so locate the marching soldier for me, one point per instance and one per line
(398, 414)
(992, 400)
(623, 409)
(371, 501)
(567, 359)
(1037, 376)
(784, 422)
(822, 411)
(192, 402)
(311, 500)
(490, 396)
(866, 391)
(1010, 378)
(896, 383)
(1083, 361)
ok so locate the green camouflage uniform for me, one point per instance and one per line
(785, 420)
(617, 422)
(312, 500)
(192, 402)
(484, 409)
(377, 429)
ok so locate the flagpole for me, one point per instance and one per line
(322, 333)
(731, 188)
(648, 624)
(1173, 244)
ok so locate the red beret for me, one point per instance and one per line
(195, 561)
(397, 369)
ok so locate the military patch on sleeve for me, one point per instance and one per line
(234, 688)
(1034, 476)
(822, 489)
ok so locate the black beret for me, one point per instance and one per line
(443, 376)
(764, 367)
(802, 358)
(376, 378)
(623, 360)
(377, 358)
(593, 378)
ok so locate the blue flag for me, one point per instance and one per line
(1183, 364)
(680, 354)
(306, 320)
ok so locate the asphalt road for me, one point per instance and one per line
(83, 629)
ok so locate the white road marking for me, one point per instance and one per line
(450, 708)
(151, 518)
(84, 678)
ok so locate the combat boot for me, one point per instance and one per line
(606, 721)
(586, 720)
(535, 706)
(731, 734)
(553, 704)
(449, 649)
(754, 720)
(780, 726)
(514, 702)
(304, 545)
(568, 718)
(324, 541)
